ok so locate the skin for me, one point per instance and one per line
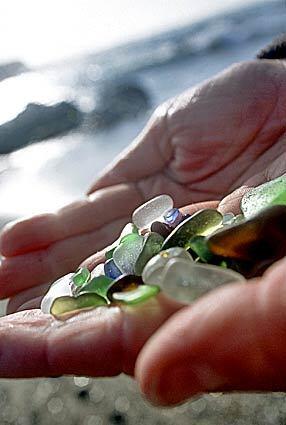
(213, 142)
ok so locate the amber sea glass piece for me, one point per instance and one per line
(259, 240)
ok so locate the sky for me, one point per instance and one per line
(40, 31)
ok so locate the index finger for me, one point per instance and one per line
(101, 342)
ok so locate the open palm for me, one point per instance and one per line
(218, 137)
(199, 146)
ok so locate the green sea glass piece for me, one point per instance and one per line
(66, 304)
(136, 296)
(259, 241)
(97, 285)
(123, 283)
(61, 287)
(129, 238)
(126, 254)
(186, 281)
(199, 245)
(152, 272)
(109, 253)
(81, 276)
(152, 245)
(128, 229)
(201, 223)
(263, 196)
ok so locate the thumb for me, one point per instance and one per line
(232, 339)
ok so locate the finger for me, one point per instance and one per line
(232, 339)
(150, 144)
(34, 303)
(101, 342)
(81, 217)
(21, 300)
(25, 296)
(35, 268)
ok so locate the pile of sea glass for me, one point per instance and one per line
(183, 255)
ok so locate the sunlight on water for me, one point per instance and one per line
(14, 196)
(35, 156)
(24, 190)
(17, 92)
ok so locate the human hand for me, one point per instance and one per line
(199, 146)
(231, 339)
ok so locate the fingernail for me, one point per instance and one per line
(178, 383)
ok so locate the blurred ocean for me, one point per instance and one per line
(113, 92)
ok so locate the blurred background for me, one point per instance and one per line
(78, 81)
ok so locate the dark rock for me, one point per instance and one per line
(11, 69)
(275, 50)
(117, 101)
(38, 122)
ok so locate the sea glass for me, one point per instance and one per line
(124, 283)
(152, 244)
(265, 195)
(186, 281)
(201, 223)
(173, 217)
(152, 210)
(81, 276)
(126, 254)
(97, 285)
(228, 219)
(128, 229)
(97, 271)
(136, 296)
(162, 228)
(59, 288)
(111, 270)
(199, 246)
(259, 240)
(152, 272)
(63, 305)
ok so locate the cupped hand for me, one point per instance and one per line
(231, 339)
(201, 145)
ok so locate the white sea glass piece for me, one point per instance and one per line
(97, 271)
(228, 219)
(126, 255)
(152, 272)
(59, 288)
(186, 281)
(152, 210)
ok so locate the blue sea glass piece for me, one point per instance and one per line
(173, 217)
(111, 270)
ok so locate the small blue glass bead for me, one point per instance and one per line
(111, 270)
(173, 217)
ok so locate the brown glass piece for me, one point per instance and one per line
(255, 243)
(161, 228)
